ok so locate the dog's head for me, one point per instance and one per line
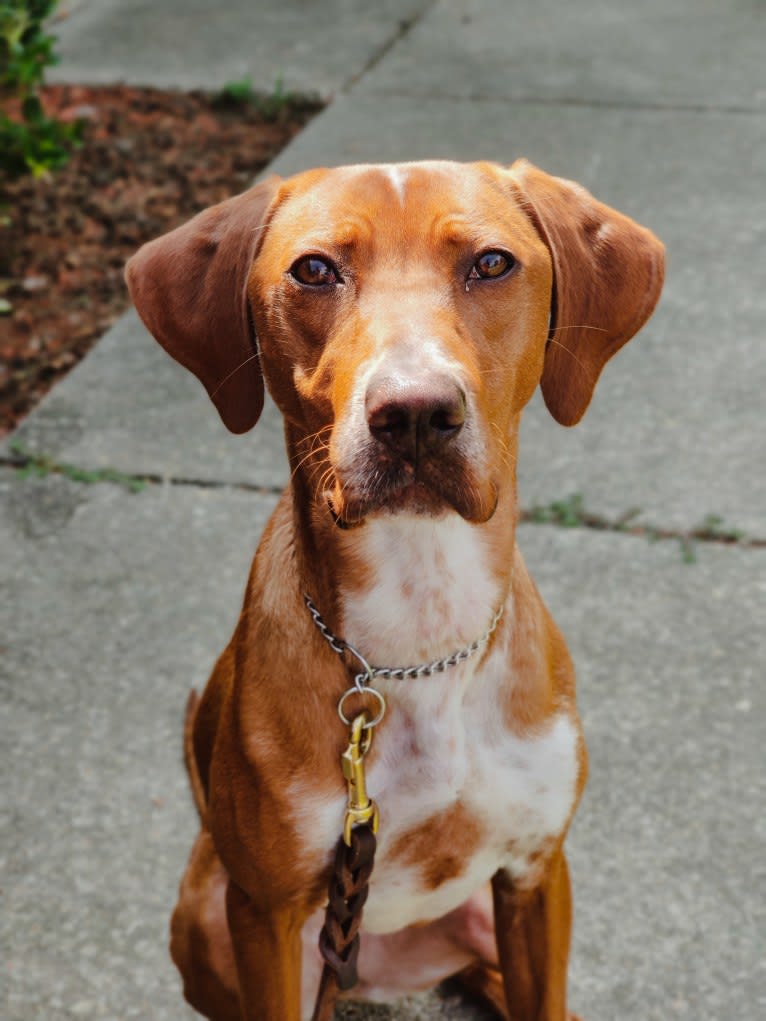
(403, 316)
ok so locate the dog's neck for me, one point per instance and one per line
(430, 588)
(405, 588)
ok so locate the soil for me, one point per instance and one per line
(150, 159)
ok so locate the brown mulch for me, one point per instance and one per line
(150, 159)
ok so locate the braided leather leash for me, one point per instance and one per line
(339, 939)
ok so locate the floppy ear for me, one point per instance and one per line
(190, 289)
(607, 278)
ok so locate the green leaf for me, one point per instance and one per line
(688, 550)
(37, 143)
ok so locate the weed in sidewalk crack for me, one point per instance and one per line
(28, 464)
(570, 512)
(714, 527)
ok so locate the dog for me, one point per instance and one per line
(401, 317)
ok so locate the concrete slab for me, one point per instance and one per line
(690, 53)
(676, 424)
(672, 703)
(196, 44)
(130, 406)
(95, 583)
(113, 604)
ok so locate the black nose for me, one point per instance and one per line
(415, 417)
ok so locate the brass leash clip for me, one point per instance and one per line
(361, 809)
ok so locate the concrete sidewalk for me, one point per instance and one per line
(110, 606)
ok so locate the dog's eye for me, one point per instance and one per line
(491, 265)
(314, 272)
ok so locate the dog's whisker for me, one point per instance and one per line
(313, 436)
(315, 448)
(580, 326)
(307, 457)
(253, 357)
(508, 457)
(325, 479)
(323, 466)
(574, 357)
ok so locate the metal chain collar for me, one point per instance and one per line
(362, 681)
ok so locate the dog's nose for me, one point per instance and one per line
(414, 416)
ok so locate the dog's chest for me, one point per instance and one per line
(460, 797)
(459, 794)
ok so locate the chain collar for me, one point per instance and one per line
(363, 680)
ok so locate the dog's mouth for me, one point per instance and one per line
(403, 489)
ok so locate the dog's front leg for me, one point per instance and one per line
(532, 928)
(267, 949)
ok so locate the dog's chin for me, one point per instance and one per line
(415, 498)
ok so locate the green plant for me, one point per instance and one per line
(30, 140)
(30, 464)
(712, 529)
(569, 512)
(688, 549)
(236, 93)
(271, 106)
(275, 102)
(713, 526)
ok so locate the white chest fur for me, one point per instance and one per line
(459, 795)
(430, 589)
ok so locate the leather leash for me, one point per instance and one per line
(350, 877)
(339, 938)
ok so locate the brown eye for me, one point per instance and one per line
(491, 265)
(314, 272)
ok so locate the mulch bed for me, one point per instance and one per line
(150, 159)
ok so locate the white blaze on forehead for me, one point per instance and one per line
(398, 177)
(395, 173)
(398, 173)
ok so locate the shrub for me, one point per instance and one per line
(30, 140)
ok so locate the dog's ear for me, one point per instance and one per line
(607, 278)
(190, 289)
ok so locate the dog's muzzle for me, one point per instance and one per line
(412, 453)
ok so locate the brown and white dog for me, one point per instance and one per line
(401, 317)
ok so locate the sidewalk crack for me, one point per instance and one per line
(649, 106)
(569, 512)
(404, 27)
